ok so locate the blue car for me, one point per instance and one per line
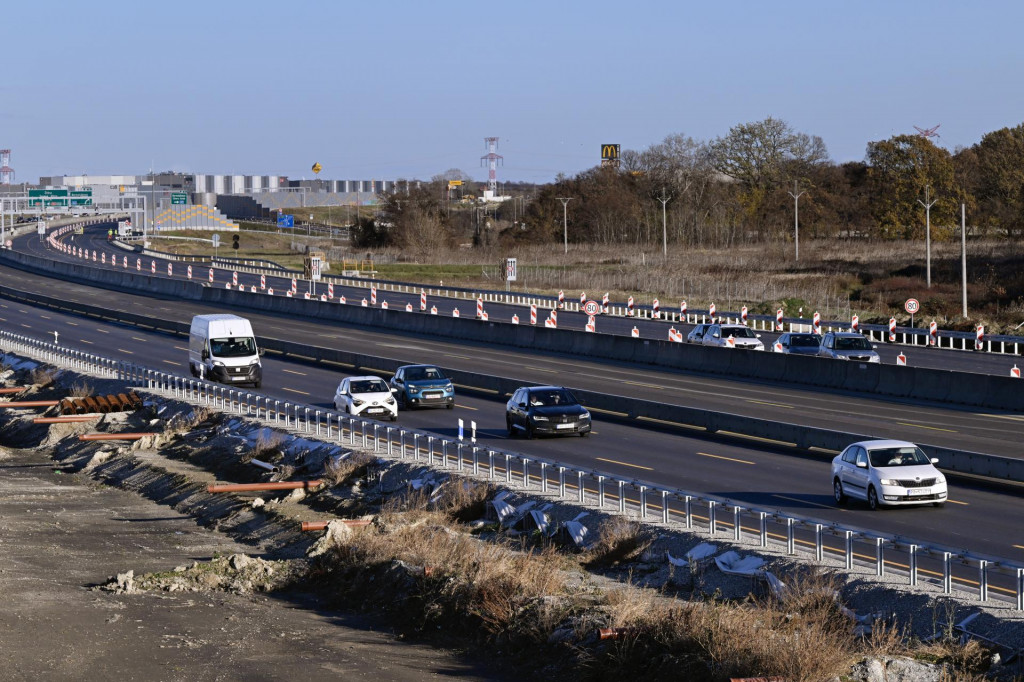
(423, 386)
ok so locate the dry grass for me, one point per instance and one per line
(80, 390)
(338, 471)
(458, 499)
(267, 447)
(618, 540)
(42, 377)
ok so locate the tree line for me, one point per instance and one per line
(740, 188)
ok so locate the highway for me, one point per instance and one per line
(982, 520)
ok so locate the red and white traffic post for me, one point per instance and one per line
(743, 314)
(933, 333)
(263, 282)
(583, 298)
(629, 307)
(854, 324)
(591, 324)
(423, 300)
(901, 360)
(480, 307)
(604, 303)
(979, 338)
(330, 291)
(152, 267)
(211, 275)
(711, 311)
(816, 322)
(656, 309)
(561, 299)
(234, 278)
(188, 271)
(682, 312)
(373, 295)
(533, 313)
(778, 320)
(170, 270)
(635, 333)
(892, 330)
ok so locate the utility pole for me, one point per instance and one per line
(927, 234)
(796, 217)
(565, 220)
(963, 255)
(664, 223)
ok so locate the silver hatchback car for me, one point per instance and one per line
(847, 346)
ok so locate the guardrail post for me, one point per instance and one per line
(600, 491)
(687, 510)
(305, 415)
(912, 563)
(401, 442)
(362, 430)
(1020, 589)
(231, 400)
(579, 482)
(819, 549)
(790, 539)
(248, 403)
(490, 465)
(508, 468)
(376, 437)
(328, 416)
(526, 472)
(737, 525)
(416, 446)
(762, 518)
(983, 580)
(664, 507)
(277, 413)
(643, 502)
(879, 557)
(476, 463)
(561, 482)
(430, 450)
(543, 477)
(388, 431)
(622, 497)
(318, 422)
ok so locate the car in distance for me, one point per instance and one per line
(368, 396)
(847, 346)
(545, 409)
(696, 334)
(887, 473)
(742, 336)
(423, 386)
(794, 343)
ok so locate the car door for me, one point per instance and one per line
(339, 395)
(398, 382)
(712, 335)
(826, 346)
(513, 407)
(856, 476)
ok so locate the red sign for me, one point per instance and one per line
(912, 305)
(591, 307)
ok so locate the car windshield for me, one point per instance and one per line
(551, 397)
(368, 386)
(236, 347)
(905, 456)
(804, 340)
(737, 333)
(424, 374)
(852, 343)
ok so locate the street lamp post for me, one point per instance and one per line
(664, 222)
(796, 217)
(565, 221)
(927, 234)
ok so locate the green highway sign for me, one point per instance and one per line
(48, 192)
(179, 198)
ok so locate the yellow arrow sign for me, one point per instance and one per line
(317, 168)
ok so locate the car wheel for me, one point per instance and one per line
(511, 429)
(584, 434)
(872, 498)
(394, 417)
(938, 504)
(450, 405)
(528, 430)
(837, 490)
(405, 402)
(257, 384)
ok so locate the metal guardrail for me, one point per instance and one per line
(989, 578)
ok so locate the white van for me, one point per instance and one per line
(223, 348)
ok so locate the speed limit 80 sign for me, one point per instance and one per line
(591, 307)
(912, 305)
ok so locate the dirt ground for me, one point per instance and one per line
(62, 534)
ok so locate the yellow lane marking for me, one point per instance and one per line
(102, 331)
(625, 464)
(73, 324)
(1014, 417)
(1019, 546)
(467, 407)
(922, 426)
(171, 362)
(640, 383)
(292, 390)
(765, 402)
(292, 371)
(452, 355)
(46, 317)
(180, 348)
(765, 440)
(84, 341)
(3, 319)
(138, 338)
(122, 350)
(828, 450)
(664, 421)
(793, 499)
(963, 504)
(26, 326)
(540, 369)
(730, 459)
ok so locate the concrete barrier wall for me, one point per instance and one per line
(803, 437)
(919, 383)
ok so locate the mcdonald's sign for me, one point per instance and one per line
(610, 152)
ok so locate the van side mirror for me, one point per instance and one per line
(205, 354)
(261, 351)
(935, 460)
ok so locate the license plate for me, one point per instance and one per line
(918, 491)
(564, 426)
(432, 396)
(375, 410)
(239, 378)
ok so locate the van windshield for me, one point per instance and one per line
(236, 347)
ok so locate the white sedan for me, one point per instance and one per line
(732, 336)
(368, 396)
(887, 472)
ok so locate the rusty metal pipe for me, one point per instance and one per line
(613, 633)
(66, 420)
(115, 436)
(264, 465)
(322, 525)
(273, 485)
(13, 389)
(31, 403)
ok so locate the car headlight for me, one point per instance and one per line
(889, 481)
(538, 418)
(218, 363)
(256, 361)
(357, 402)
(940, 480)
(390, 401)
(585, 415)
(449, 386)
(413, 390)
(842, 357)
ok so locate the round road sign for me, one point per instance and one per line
(912, 305)
(592, 307)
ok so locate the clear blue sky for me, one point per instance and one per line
(406, 89)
